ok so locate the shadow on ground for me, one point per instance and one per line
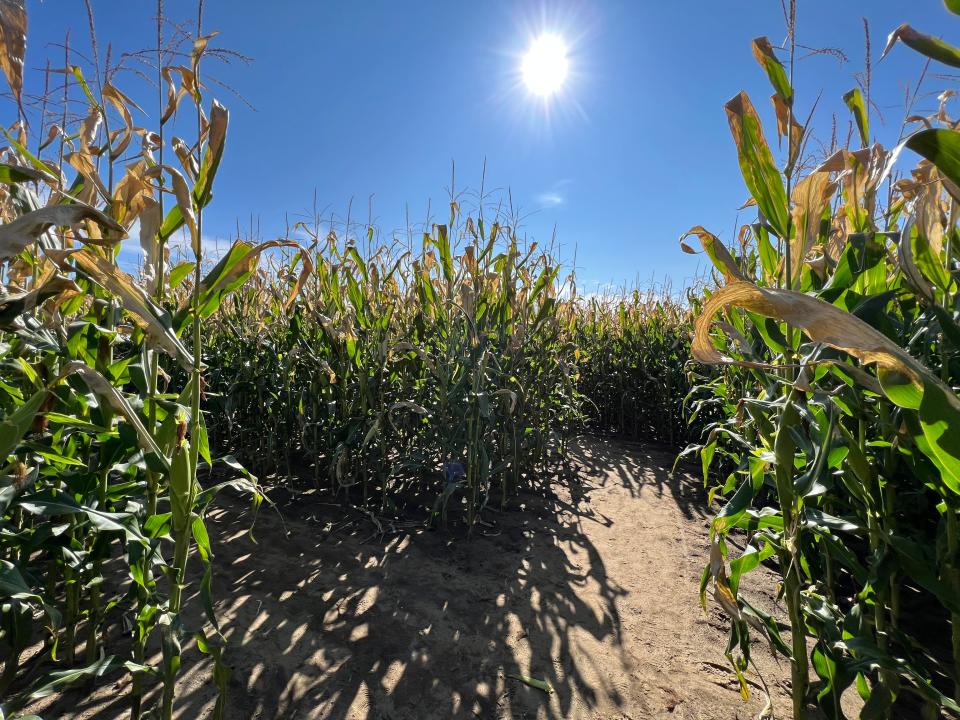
(327, 618)
(640, 468)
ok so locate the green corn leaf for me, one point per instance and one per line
(905, 380)
(16, 425)
(921, 565)
(203, 441)
(756, 163)
(202, 538)
(222, 672)
(206, 596)
(932, 47)
(13, 174)
(154, 320)
(776, 73)
(12, 583)
(34, 161)
(442, 243)
(97, 383)
(734, 510)
(927, 261)
(941, 147)
(747, 562)
(948, 324)
(854, 101)
(179, 272)
(56, 681)
(48, 504)
(229, 274)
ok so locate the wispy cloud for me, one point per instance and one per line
(551, 199)
(555, 196)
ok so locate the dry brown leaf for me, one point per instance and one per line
(89, 127)
(150, 221)
(176, 92)
(51, 286)
(821, 321)
(133, 298)
(787, 123)
(133, 191)
(927, 205)
(859, 173)
(13, 43)
(185, 155)
(185, 202)
(216, 138)
(199, 47)
(122, 104)
(53, 133)
(811, 197)
(82, 162)
(23, 231)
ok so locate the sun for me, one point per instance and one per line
(545, 65)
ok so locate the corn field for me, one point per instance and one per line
(438, 374)
(633, 375)
(399, 375)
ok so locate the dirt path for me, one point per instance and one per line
(593, 589)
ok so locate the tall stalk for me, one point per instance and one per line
(183, 477)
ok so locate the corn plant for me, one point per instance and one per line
(434, 378)
(102, 432)
(840, 416)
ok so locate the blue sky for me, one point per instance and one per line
(379, 97)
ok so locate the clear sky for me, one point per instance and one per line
(355, 98)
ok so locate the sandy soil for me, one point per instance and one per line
(592, 588)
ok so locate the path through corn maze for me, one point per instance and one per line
(591, 588)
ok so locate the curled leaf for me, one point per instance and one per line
(788, 127)
(233, 269)
(716, 251)
(933, 48)
(811, 198)
(122, 104)
(184, 209)
(23, 231)
(203, 187)
(150, 219)
(941, 147)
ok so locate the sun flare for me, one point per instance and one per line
(545, 65)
